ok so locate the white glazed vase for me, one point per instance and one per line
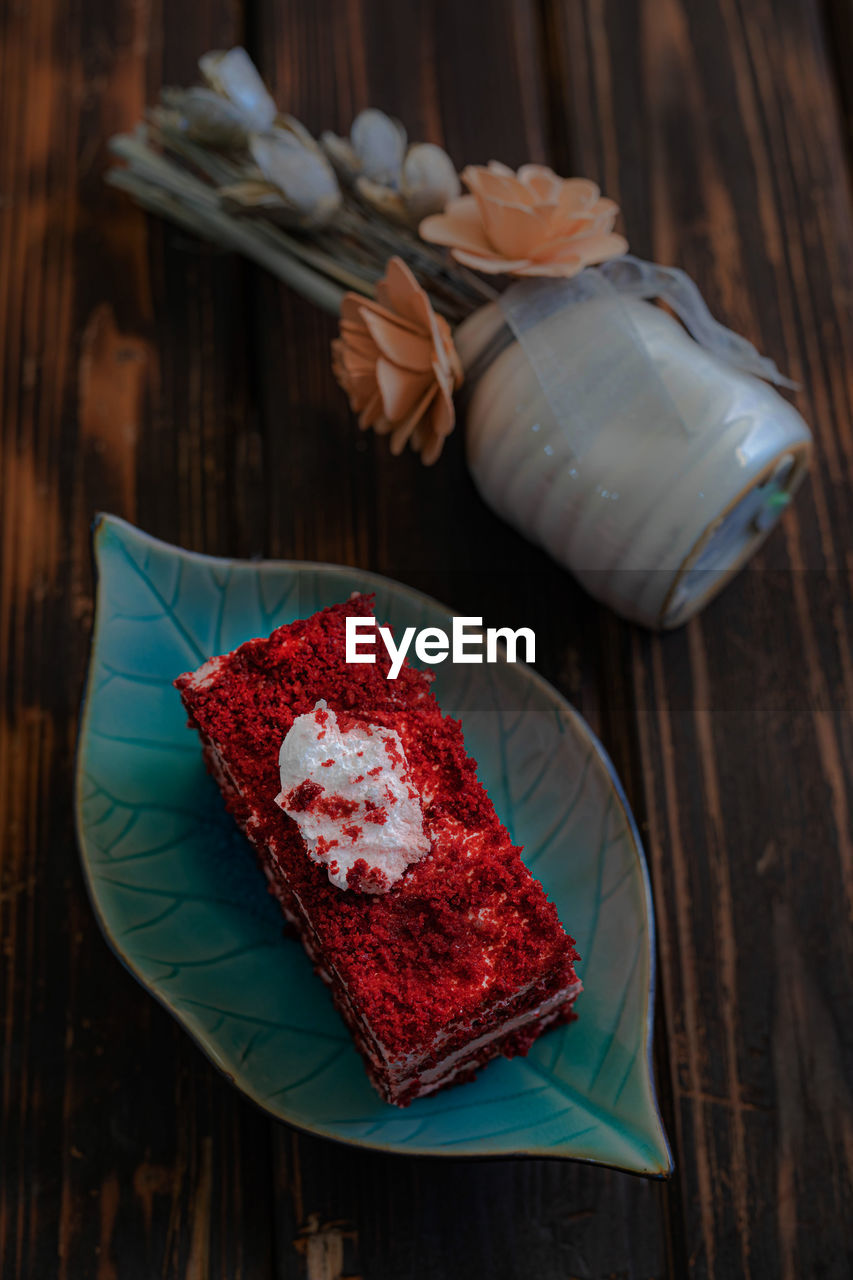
(653, 517)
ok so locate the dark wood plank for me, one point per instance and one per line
(839, 23)
(432, 1219)
(703, 119)
(123, 1153)
(436, 66)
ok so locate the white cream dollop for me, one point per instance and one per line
(350, 793)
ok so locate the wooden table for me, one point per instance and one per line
(150, 376)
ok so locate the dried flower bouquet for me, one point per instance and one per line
(643, 454)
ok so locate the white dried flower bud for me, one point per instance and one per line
(429, 180)
(302, 174)
(380, 144)
(207, 117)
(234, 75)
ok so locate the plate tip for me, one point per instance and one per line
(101, 524)
(663, 1165)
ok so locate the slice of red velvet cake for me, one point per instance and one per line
(440, 948)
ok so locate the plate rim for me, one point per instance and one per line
(105, 521)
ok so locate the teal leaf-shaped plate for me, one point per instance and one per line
(178, 896)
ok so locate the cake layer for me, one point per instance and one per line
(421, 1074)
(464, 957)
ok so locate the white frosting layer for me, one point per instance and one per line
(366, 807)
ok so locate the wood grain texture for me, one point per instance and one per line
(702, 120)
(839, 39)
(147, 375)
(122, 1154)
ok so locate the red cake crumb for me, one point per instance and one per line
(363, 878)
(466, 944)
(303, 796)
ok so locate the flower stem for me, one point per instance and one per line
(163, 187)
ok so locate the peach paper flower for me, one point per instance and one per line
(396, 361)
(532, 223)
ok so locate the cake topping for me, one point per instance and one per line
(349, 791)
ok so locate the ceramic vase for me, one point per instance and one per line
(654, 472)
